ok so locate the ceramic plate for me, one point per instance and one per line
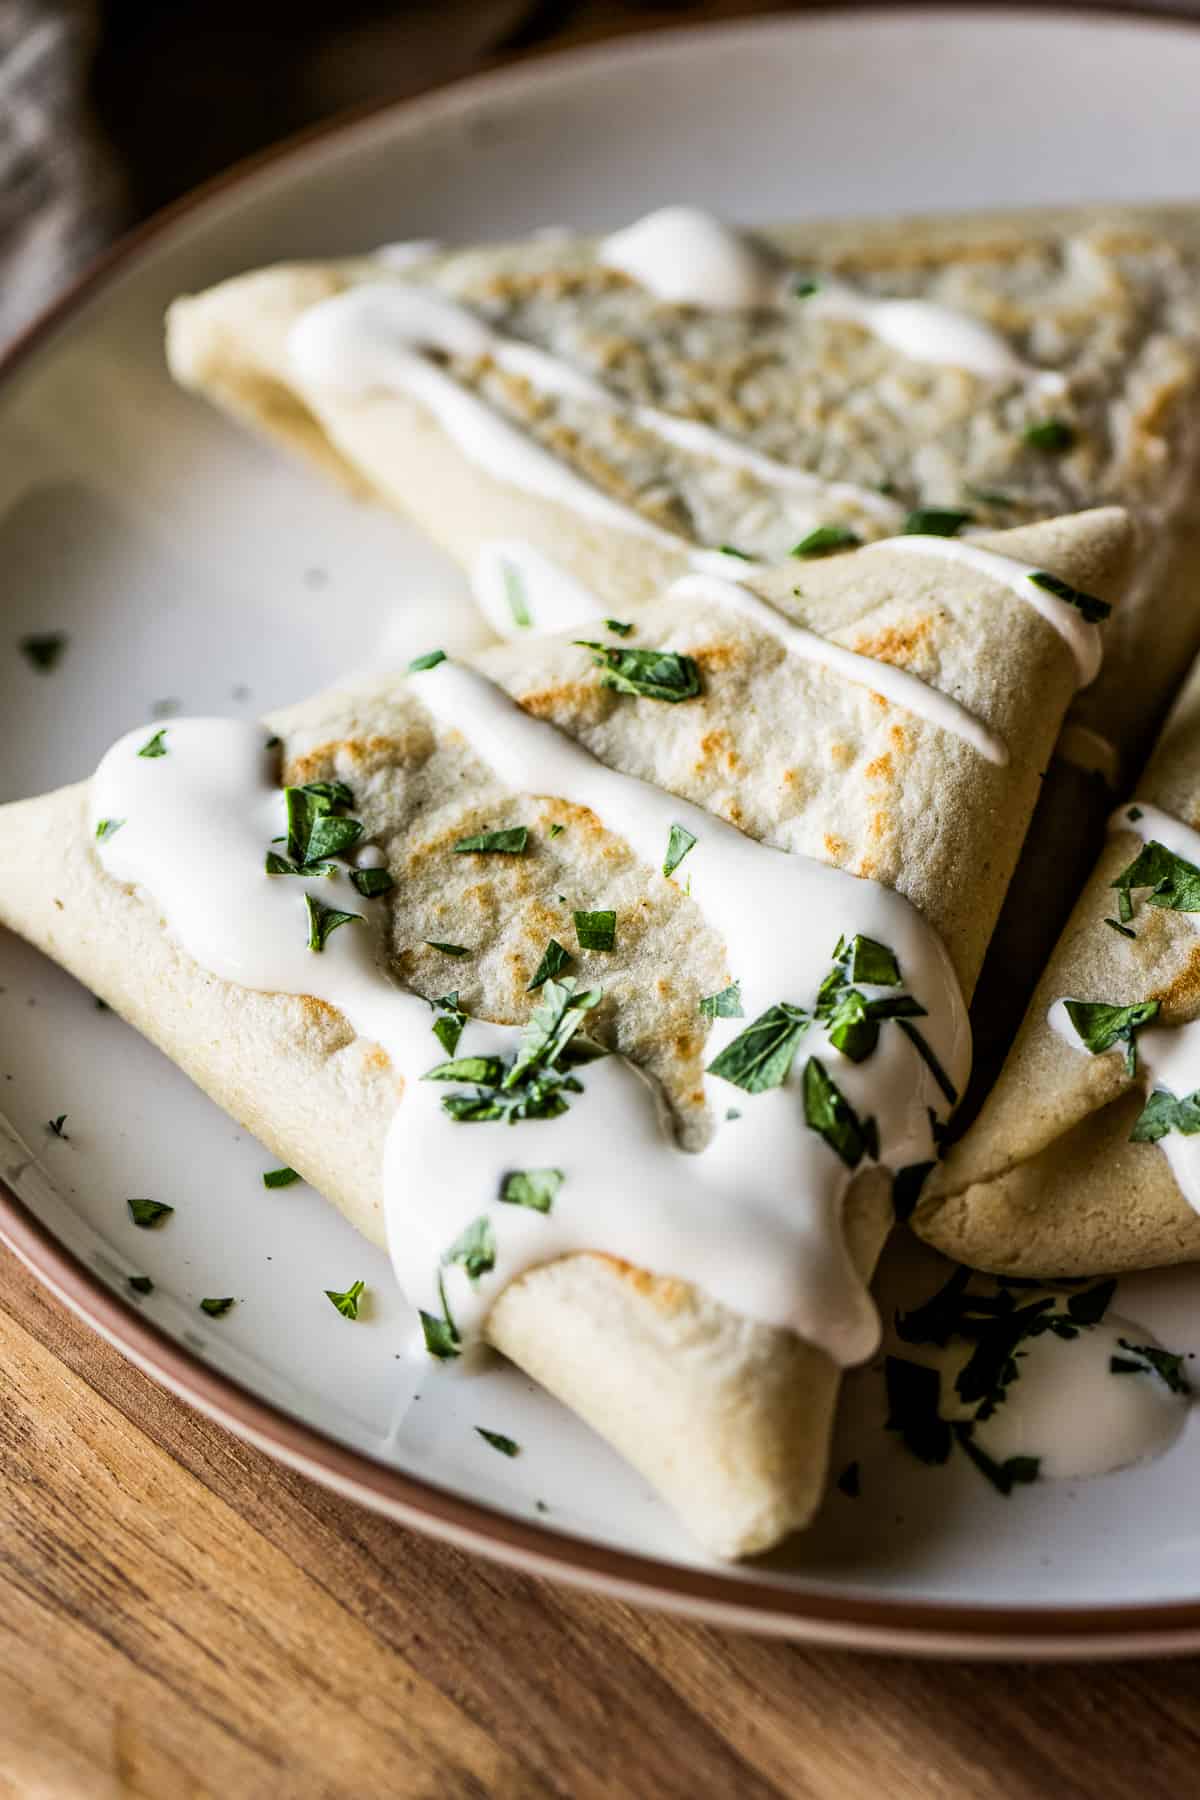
(192, 568)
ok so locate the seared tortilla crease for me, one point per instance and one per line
(727, 1417)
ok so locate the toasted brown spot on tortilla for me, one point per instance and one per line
(712, 657)
(896, 644)
(835, 847)
(841, 755)
(880, 769)
(1181, 997)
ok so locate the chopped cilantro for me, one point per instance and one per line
(216, 1309)
(535, 1188)
(106, 827)
(914, 1396)
(1166, 1364)
(441, 1335)
(1163, 1113)
(154, 746)
(725, 1005)
(826, 540)
(732, 550)
(1123, 929)
(596, 930)
(141, 1284)
(679, 842)
(371, 883)
(618, 626)
(447, 949)
(55, 1126)
(803, 286)
(322, 920)
(1100, 1026)
(1003, 1476)
(279, 1178)
(347, 1303)
(430, 660)
(554, 960)
(146, 1213)
(315, 828)
(507, 1446)
(646, 674)
(448, 1026)
(828, 1112)
(761, 1056)
(556, 830)
(474, 1249)
(1175, 883)
(936, 521)
(510, 842)
(532, 1085)
(1092, 609)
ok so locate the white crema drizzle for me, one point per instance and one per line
(1080, 635)
(376, 336)
(755, 1220)
(688, 258)
(1168, 1055)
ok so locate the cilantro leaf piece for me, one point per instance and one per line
(141, 1284)
(1123, 929)
(1163, 1113)
(1090, 1306)
(1003, 1476)
(554, 960)
(1100, 1025)
(827, 1111)
(803, 286)
(216, 1309)
(646, 674)
(535, 1188)
(992, 1364)
(507, 1446)
(487, 1071)
(679, 842)
(618, 626)
(154, 746)
(147, 1213)
(322, 920)
(935, 521)
(371, 883)
(499, 843)
(761, 1056)
(556, 830)
(441, 1335)
(1092, 609)
(106, 827)
(43, 649)
(514, 594)
(1176, 883)
(1051, 435)
(474, 1249)
(314, 830)
(725, 1005)
(939, 1318)
(1167, 1364)
(55, 1126)
(550, 1027)
(596, 930)
(279, 1178)
(430, 660)
(826, 540)
(448, 1026)
(849, 1482)
(448, 949)
(913, 1397)
(347, 1303)
(866, 960)
(732, 550)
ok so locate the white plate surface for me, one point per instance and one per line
(187, 563)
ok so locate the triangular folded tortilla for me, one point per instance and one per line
(1047, 1180)
(727, 1416)
(696, 388)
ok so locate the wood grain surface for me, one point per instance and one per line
(180, 1617)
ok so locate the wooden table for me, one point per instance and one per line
(179, 1617)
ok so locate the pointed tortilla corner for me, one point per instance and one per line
(1046, 1180)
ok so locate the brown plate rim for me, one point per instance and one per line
(817, 1615)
